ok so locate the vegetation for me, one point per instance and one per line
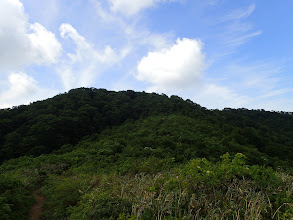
(96, 154)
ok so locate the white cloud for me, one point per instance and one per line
(46, 12)
(260, 77)
(45, 47)
(174, 68)
(238, 34)
(82, 67)
(213, 2)
(216, 96)
(238, 14)
(132, 7)
(275, 93)
(23, 89)
(279, 104)
(22, 43)
(135, 36)
(255, 86)
(141, 38)
(234, 30)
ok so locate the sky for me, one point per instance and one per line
(217, 53)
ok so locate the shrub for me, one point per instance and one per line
(15, 198)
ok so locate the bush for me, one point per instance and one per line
(15, 198)
(101, 206)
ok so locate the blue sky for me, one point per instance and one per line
(218, 53)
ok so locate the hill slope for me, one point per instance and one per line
(67, 118)
(148, 169)
(128, 155)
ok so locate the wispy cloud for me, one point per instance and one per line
(131, 32)
(235, 37)
(132, 7)
(211, 95)
(262, 76)
(261, 82)
(238, 14)
(234, 30)
(213, 2)
(275, 93)
(82, 67)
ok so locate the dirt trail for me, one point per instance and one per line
(36, 209)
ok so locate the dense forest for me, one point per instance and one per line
(98, 154)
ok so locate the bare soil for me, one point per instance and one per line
(36, 209)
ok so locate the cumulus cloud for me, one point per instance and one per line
(22, 43)
(170, 69)
(132, 7)
(83, 66)
(22, 90)
(45, 47)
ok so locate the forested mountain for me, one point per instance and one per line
(65, 119)
(98, 154)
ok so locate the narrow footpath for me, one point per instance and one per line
(36, 209)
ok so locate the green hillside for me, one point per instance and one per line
(65, 119)
(97, 154)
